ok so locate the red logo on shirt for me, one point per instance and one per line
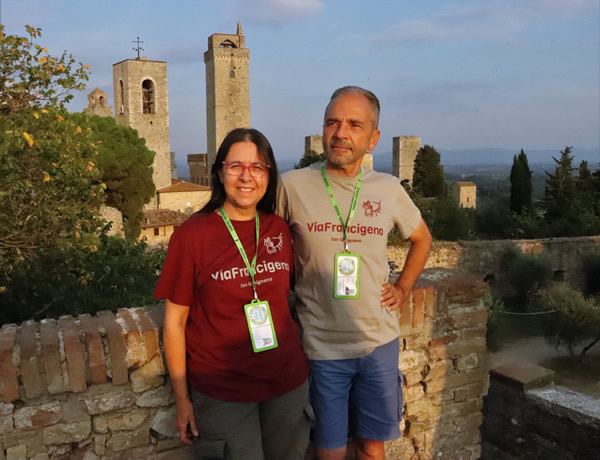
(372, 209)
(274, 243)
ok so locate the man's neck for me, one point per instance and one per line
(349, 170)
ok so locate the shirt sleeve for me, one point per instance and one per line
(282, 209)
(176, 281)
(407, 215)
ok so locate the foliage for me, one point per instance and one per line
(72, 281)
(31, 78)
(520, 184)
(591, 273)
(494, 219)
(495, 308)
(519, 275)
(428, 177)
(575, 319)
(446, 220)
(49, 185)
(125, 166)
(309, 158)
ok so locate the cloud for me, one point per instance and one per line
(494, 20)
(277, 11)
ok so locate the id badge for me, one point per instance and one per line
(260, 325)
(347, 276)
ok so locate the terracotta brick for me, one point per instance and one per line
(405, 313)
(8, 373)
(96, 370)
(470, 319)
(418, 309)
(74, 353)
(149, 334)
(443, 340)
(430, 301)
(51, 356)
(117, 347)
(30, 372)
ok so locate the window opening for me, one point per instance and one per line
(148, 96)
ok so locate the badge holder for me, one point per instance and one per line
(260, 324)
(346, 275)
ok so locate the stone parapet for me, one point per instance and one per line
(96, 387)
(481, 257)
(527, 417)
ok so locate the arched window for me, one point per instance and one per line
(227, 44)
(232, 74)
(148, 96)
(122, 101)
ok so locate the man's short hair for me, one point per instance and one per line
(358, 90)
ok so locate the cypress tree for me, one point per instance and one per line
(520, 184)
(428, 177)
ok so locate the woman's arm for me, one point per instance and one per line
(174, 342)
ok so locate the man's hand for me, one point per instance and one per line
(185, 417)
(392, 296)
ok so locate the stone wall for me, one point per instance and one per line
(96, 387)
(527, 418)
(481, 257)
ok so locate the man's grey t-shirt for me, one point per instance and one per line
(343, 328)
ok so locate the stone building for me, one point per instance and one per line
(313, 143)
(142, 103)
(199, 171)
(159, 224)
(98, 104)
(404, 152)
(227, 88)
(465, 194)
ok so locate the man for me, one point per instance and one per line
(339, 216)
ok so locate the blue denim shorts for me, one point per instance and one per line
(359, 397)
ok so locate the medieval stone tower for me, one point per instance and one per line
(142, 103)
(227, 88)
(98, 104)
(404, 152)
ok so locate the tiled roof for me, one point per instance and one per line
(183, 186)
(162, 217)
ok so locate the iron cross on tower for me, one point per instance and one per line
(138, 48)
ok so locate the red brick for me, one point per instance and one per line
(470, 319)
(51, 356)
(467, 334)
(418, 308)
(430, 301)
(149, 334)
(116, 346)
(95, 348)
(74, 353)
(443, 340)
(32, 379)
(405, 312)
(8, 373)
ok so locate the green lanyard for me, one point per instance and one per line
(335, 205)
(236, 240)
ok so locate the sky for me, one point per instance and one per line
(462, 74)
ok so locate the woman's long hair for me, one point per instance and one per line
(265, 151)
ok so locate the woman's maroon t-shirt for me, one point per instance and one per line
(205, 270)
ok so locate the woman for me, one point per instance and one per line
(228, 331)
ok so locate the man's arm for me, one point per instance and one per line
(392, 296)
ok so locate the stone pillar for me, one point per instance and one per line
(405, 150)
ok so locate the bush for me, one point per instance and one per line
(574, 320)
(495, 308)
(118, 273)
(520, 275)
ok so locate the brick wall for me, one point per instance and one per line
(528, 418)
(96, 387)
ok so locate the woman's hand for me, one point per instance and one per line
(184, 419)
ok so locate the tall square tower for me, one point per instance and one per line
(227, 88)
(142, 103)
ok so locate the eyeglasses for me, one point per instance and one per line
(236, 168)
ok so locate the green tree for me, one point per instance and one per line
(32, 78)
(428, 177)
(125, 166)
(560, 191)
(574, 319)
(309, 158)
(520, 184)
(49, 185)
